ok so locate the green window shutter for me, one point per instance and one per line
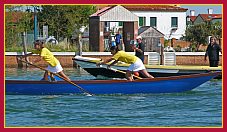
(141, 21)
(120, 23)
(153, 21)
(174, 22)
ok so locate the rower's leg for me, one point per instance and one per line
(146, 74)
(52, 78)
(45, 76)
(61, 73)
(129, 75)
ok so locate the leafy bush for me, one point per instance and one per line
(61, 47)
(178, 48)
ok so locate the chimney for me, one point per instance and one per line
(192, 12)
(210, 11)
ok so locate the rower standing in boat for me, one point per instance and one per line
(136, 63)
(53, 64)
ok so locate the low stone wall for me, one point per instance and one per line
(11, 61)
(182, 58)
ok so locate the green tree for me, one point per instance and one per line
(63, 20)
(16, 22)
(198, 34)
(216, 29)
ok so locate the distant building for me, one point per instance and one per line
(192, 19)
(170, 20)
(208, 17)
(101, 35)
(152, 38)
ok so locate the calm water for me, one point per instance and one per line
(201, 107)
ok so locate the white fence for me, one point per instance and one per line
(153, 58)
(169, 58)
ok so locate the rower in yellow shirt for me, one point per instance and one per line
(53, 64)
(136, 64)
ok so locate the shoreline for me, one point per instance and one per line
(65, 58)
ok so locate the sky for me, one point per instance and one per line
(202, 9)
(199, 9)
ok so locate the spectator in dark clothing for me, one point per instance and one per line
(118, 38)
(118, 41)
(139, 49)
(212, 52)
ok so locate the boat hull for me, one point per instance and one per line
(89, 65)
(157, 85)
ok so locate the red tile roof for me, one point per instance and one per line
(102, 11)
(149, 8)
(192, 18)
(154, 8)
(207, 17)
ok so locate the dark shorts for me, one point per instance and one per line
(118, 43)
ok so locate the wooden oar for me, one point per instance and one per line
(83, 90)
(125, 73)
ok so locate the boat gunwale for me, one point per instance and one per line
(214, 74)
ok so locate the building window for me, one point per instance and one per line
(174, 22)
(142, 21)
(153, 22)
(120, 23)
(107, 24)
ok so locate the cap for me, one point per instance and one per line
(138, 37)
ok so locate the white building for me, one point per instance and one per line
(168, 19)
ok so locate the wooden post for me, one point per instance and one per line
(80, 50)
(80, 45)
(25, 46)
(162, 54)
(19, 63)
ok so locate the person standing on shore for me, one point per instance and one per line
(139, 49)
(118, 41)
(212, 52)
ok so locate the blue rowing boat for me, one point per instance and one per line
(171, 84)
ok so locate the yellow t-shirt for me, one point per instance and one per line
(47, 56)
(125, 57)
